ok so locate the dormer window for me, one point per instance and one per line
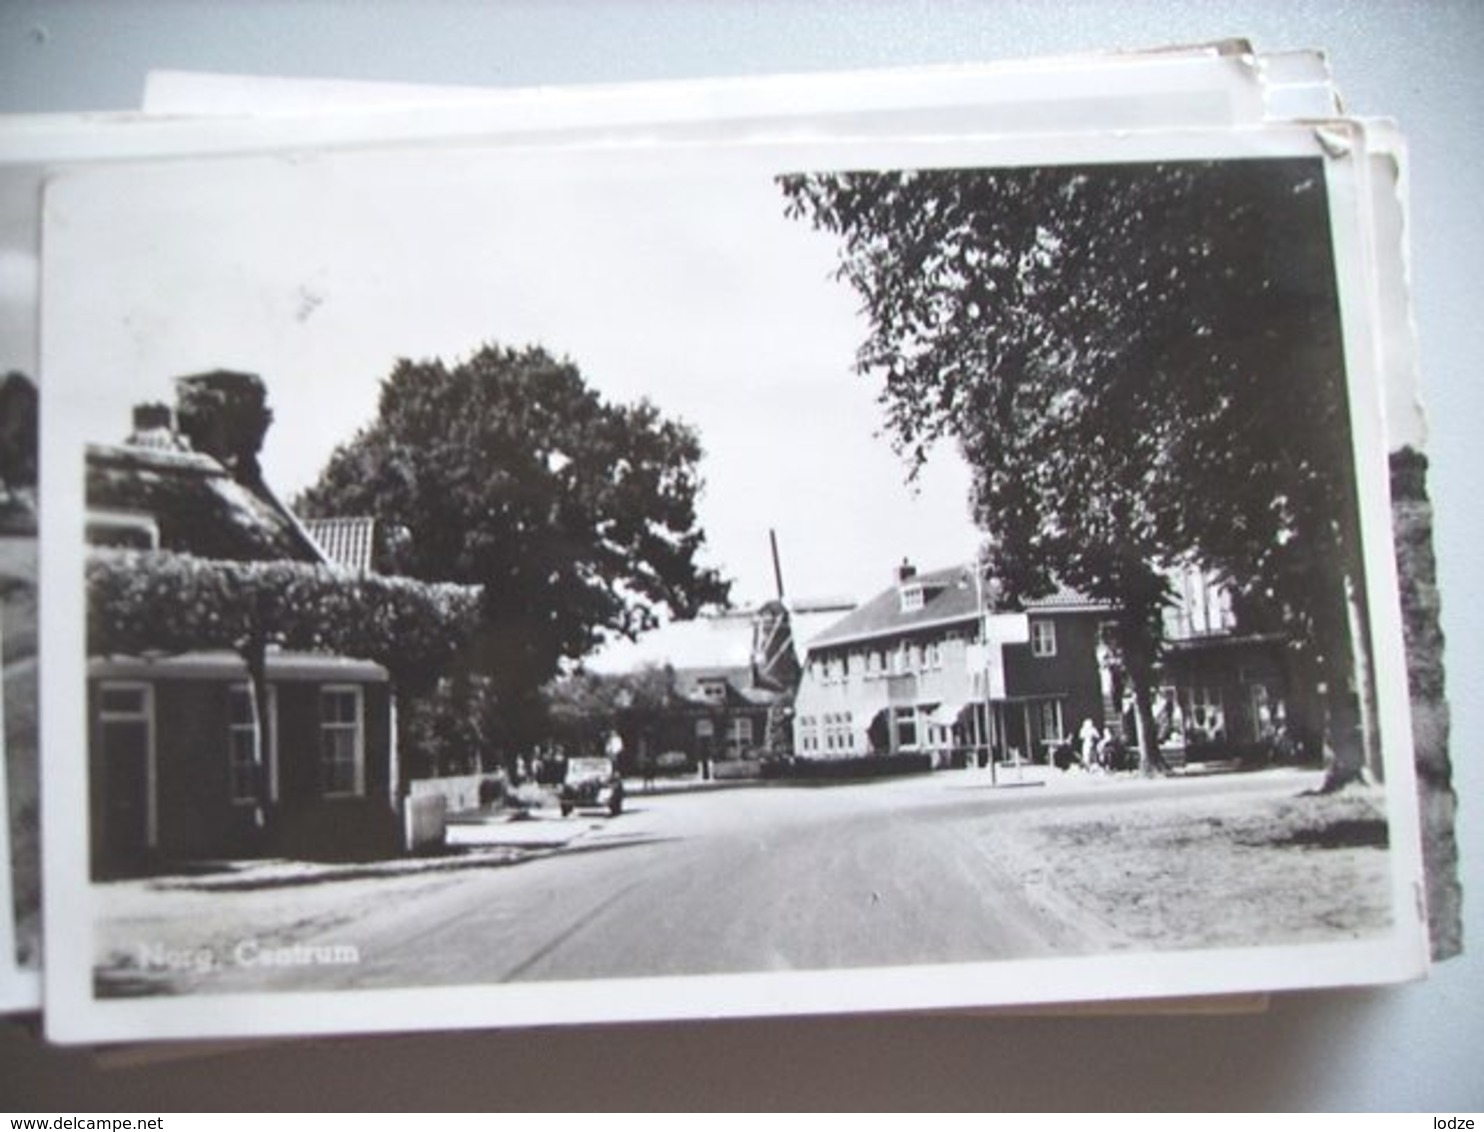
(912, 598)
(714, 690)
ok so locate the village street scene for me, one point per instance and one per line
(945, 868)
(1031, 621)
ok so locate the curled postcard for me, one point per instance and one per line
(1045, 478)
(1213, 85)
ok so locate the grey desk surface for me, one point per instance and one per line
(1415, 1047)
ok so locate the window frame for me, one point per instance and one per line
(903, 718)
(1051, 710)
(1043, 638)
(269, 715)
(739, 735)
(357, 728)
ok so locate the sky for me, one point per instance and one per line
(678, 279)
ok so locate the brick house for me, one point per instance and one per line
(924, 668)
(172, 739)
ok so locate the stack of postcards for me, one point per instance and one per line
(945, 538)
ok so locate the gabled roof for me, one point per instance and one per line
(198, 507)
(740, 690)
(346, 542)
(1063, 599)
(950, 597)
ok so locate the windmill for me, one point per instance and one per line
(775, 665)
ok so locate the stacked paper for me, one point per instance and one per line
(1113, 355)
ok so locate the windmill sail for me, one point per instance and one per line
(774, 663)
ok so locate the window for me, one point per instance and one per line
(905, 719)
(243, 782)
(739, 736)
(342, 741)
(242, 763)
(1205, 719)
(126, 530)
(1043, 638)
(1049, 721)
(932, 656)
(713, 689)
(705, 729)
(808, 735)
(837, 731)
(911, 599)
(124, 701)
(874, 663)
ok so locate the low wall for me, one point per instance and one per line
(425, 822)
(736, 768)
(459, 792)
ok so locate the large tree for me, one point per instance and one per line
(506, 470)
(587, 707)
(1142, 365)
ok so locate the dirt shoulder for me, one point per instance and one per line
(1185, 871)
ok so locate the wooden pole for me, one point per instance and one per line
(777, 567)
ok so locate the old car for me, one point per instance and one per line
(591, 783)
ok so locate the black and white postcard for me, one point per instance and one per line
(20, 845)
(1210, 85)
(1042, 484)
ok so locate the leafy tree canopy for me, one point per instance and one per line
(578, 516)
(584, 706)
(226, 415)
(1141, 364)
(18, 402)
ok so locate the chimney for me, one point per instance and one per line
(906, 571)
(152, 416)
(154, 427)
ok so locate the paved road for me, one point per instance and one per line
(752, 879)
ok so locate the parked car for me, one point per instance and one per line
(591, 783)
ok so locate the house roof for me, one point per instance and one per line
(740, 690)
(949, 597)
(719, 640)
(197, 505)
(217, 664)
(1063, 598)
(345, 542)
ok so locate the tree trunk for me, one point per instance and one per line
(1151, 762)
(255, 653)
(1138, 647)
(1351, 742)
